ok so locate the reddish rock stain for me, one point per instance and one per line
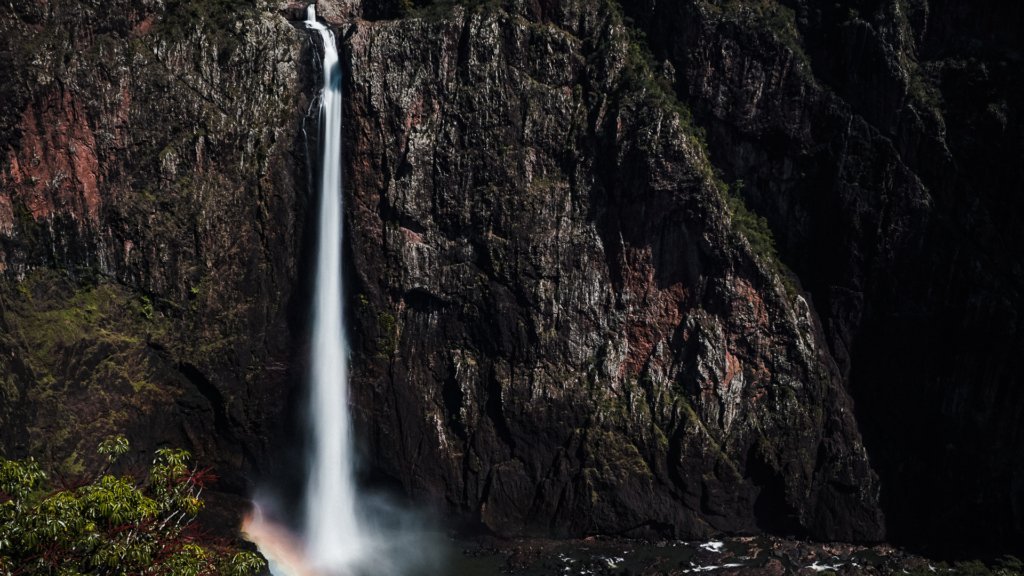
(657, 315)
(55, 168)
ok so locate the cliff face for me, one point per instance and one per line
(554, 310)
(883, 141)
(151, 194)
(567, 317)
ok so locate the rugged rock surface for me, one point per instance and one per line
(555, 313)
(564, 321)
(151, 202)
(883, 141)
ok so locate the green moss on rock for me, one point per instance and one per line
(91, 368)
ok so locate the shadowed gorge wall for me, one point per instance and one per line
(883, 142)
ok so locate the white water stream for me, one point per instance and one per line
(340, 538)
(333, 536)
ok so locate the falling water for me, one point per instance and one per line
(378, 537)
(332, 530)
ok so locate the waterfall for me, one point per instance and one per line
(332, 530)
(376, 537)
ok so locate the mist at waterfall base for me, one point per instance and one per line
(347, 532)
(393, 541)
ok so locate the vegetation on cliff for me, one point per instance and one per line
(146, 157)
(112, 524)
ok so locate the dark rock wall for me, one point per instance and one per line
(553, 311)
(883, 142)
(152, 195)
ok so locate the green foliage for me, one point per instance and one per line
(641, 73)
(112, 525)
(387, 341)
(921, 89)
(1010, 564)
(755, 229)
(751, 225)
(88, 364)
(146, 307)
(19, 479)
(113, 448)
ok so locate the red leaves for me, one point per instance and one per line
(203, 477)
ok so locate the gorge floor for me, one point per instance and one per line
(598, 556)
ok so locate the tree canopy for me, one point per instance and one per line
(113, 524)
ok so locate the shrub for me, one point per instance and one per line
(113, 524)
(755, 229)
